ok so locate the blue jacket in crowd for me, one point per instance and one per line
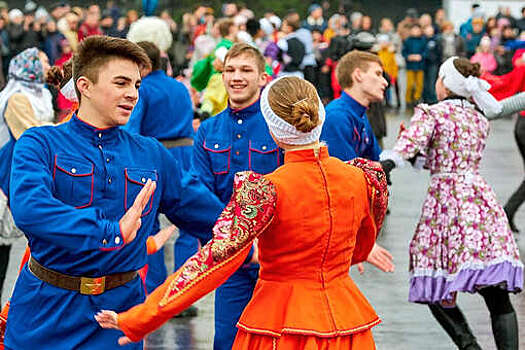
(412, 46)
(164, 109)
(347, 130)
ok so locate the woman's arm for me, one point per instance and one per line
(249, 212)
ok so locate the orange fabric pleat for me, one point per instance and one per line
(249, 341)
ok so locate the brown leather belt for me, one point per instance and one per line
(183, 141)
(83, 285)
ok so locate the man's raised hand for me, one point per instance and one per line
(130, 222)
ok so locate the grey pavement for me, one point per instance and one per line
(405, 326)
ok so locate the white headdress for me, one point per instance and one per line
(69, 91)
(283, 131)
(468, 87)
(151, 29)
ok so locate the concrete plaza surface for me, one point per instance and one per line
(405, 326)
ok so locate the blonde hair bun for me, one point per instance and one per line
(295, 101)
(305, 115)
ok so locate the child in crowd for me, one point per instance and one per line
(485, 57)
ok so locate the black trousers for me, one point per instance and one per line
(4, 261)
(518, 197)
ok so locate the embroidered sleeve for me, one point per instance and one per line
(378, 197)
(416, 138)
(377, 188)
(3, 323)
(249, 212)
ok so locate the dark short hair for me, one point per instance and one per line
(153, 53)
(97, 50)
(253, 26)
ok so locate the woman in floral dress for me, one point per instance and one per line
(463, 242)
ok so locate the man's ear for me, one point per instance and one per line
(357, 75)
(84, 86)
(263, 79)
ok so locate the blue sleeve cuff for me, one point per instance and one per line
(112, 238)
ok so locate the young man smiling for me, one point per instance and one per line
(347, 130)
(86, 195)
(236, 139)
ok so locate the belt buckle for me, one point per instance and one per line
(92, 286)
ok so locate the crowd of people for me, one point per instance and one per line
(232, 108)
(309, 44)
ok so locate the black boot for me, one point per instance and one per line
(510, 217)
(505, 329)
(456, 326)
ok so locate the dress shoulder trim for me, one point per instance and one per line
(377, 188)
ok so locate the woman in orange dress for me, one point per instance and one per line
(314, 217)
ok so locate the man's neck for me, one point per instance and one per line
(243, 105)
(91, 117)
(357, 94)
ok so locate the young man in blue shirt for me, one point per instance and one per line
(347, 130)
(73, 189)
(234, 140)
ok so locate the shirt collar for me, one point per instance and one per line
(355, 106)
(306, 155)
(90, 131)
(158, 72)
(247, 111)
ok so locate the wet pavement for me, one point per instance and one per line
(405, 326)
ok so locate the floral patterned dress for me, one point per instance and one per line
(463, 241)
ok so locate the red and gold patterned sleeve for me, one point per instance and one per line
(378, 195)
(249, 212)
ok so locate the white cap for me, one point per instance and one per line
(283, 131)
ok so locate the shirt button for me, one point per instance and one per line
(143, 180)
(99, 135)
(109, 181)
(264, 148)
(239, 136)
(73, 170)
(216, 146)
(239, 121)
(117, 240)
(107, 160)
(100, 147)
(105, 241)
(237, 153)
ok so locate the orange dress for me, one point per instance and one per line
(313, 217)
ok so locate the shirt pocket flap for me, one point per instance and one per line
(73, 166)
(135, 180)
(216, 146)
(263, 146)
(73, 180)
(219, 153)
(140, 176)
